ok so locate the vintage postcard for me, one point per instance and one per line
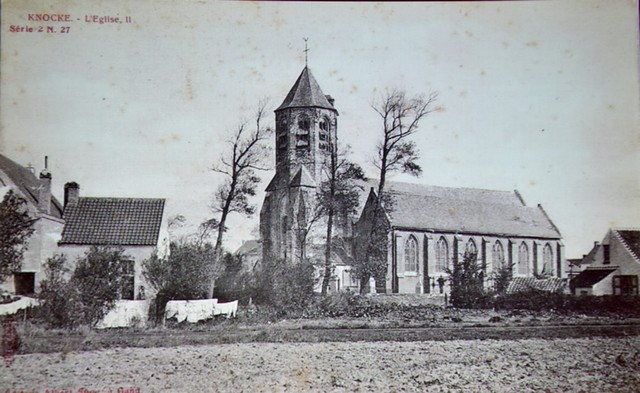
(123, 122)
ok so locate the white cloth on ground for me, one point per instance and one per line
(14, 307)
(126, 313)
(190, 310)
(229, 309)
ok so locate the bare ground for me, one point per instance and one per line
(531, 365)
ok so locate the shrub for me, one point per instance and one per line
(467, 283)
(535, 300)
(90, 293)
(288, 288)
(182, 275)
(56, 295)
(98, 279)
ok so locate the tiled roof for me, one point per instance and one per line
(523, 284)
(591, 276)
(113, 221)
(632, 240)
(305, 93)
(28, 184)
(466, 210)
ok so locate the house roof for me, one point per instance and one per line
(113, 221)
(305, 93)
(466, 210)
(631, 238)
(523, 284)
(591, 276)
(28, 184)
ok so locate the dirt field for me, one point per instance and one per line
(561, 365)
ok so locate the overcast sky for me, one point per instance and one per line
(542, 97)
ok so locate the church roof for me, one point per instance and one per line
(27, 183)
(466, 210)
(305, 93)
(113, 221)
(302, 179)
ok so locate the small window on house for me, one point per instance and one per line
(626, 285)
(523, 259)
(411, 255)
(547, 259)
(497, 257)
(606, 257)
(442, 255)
(128, 282)
(25, 283)
(324, 125)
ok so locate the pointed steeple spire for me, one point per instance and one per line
(306, 93)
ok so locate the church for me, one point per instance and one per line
(430, 227)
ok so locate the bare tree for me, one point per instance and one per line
(246, 156)
(337, 196)
(400, 118)
(396, 152)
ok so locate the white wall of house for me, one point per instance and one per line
(619, 256)
(137, 253)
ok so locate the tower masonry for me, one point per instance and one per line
(306, 134)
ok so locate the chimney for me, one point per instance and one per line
(44, 196)
(71, 193)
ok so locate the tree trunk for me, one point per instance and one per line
(327, 254)
(364, 284)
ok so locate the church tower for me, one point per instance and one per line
(306, 132)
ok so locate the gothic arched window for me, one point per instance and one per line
(523, 259)
(411, 255)
(471, 249)
(442, 255)
(547, 259)
(497, 257)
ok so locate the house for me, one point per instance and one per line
(431, 228)
(135, 224)
(47, 213)
(613, 265)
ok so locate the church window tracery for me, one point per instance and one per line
(523, 259)
(442, 255)
(547, 259)
(498, 255)
(471, 248)
(411, 255)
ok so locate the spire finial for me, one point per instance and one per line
(306, 50)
